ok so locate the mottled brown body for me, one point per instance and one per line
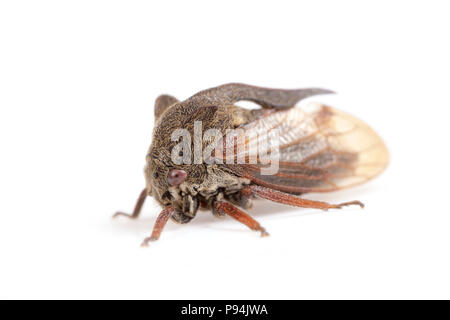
(317, 154)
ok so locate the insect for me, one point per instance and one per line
(320, 149)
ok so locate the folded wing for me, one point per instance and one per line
(320, 149)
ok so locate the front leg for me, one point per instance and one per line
(223, 207)
(137, 208)
(159, 225)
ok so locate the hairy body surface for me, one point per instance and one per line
(320, 151)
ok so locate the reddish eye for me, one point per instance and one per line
(176, 177)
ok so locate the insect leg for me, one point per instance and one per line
(159, 225)
(137, 208)
(284, 198)
(223, 207)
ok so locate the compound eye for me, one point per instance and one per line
(176, 177)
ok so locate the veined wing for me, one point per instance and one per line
(321, 149)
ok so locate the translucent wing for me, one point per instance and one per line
(321, 149)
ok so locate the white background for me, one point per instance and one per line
(77, 84)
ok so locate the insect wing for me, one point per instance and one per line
(320, 149)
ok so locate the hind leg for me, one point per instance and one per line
(285, 198)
